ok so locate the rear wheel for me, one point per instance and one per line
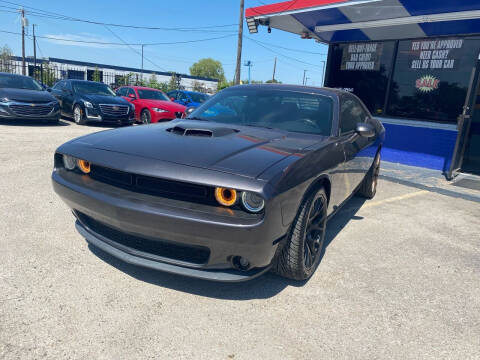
(145, 117)
(368, 189)
(302, 252)
(78, 115)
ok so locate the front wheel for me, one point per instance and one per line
(146, 117)
(302, 252)
(78, 115)
(368, 189)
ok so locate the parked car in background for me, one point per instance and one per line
(21, 97)
(151, 105)
(225, 195)
(188, 98)
(92, 101)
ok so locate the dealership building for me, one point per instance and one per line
(413, 63)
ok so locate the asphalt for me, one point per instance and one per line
(400, 279)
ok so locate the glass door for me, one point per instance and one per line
(471, 158)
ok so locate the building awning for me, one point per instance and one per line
(331, 21)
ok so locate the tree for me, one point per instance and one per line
(274, 81)
(46, 75)
(96, 75)
(199, 87)
(208, 68)
(5, 59)
(174, 82)
(152, 82)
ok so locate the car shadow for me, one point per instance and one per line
(263, 287)
(32, 123)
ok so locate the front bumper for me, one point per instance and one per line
(7, 111)
(163, 116)
(153, 220)
(95, 115)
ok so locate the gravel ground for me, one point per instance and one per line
(400, 279)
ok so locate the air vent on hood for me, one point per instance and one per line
(212, 132)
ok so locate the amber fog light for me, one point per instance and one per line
(225, 196)
(84, 165)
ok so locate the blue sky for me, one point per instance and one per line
(162, 13)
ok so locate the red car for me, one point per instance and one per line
(151, 105)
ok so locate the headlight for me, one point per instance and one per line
(252, 202)
(83, 165)
(69, 162)
(88, 104)
(159, 110)
(225, 196)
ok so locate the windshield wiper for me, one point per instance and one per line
(195, 118)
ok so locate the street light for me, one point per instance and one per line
(249, 64)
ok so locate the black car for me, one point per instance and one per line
(92, 101)
(243, 185)
(21, 97)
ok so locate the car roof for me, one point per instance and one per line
(290, 87)
(142, 88)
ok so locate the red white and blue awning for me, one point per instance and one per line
(333, 21)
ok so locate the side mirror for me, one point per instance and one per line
(365, 129)
(189, 110)
(131, 96)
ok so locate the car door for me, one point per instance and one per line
(58, 93)
(132, 97)
(357, 148)
(67, 103)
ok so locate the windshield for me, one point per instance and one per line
(19, 82)
(152, 95)
(92, 88)
(278, 109)
(199, 98)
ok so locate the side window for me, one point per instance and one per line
(172, 94)
(130, 92)
(121, 91)
(58, 85)
(182, 96)
(351, 113)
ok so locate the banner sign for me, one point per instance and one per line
(361, 56)
(435, 54)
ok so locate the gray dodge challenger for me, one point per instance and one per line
(243, 185)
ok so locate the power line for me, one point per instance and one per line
(123, 44)
(280, 54)
(290, 49)
(43, 13)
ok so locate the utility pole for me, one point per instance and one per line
(34, 53)
(304, 73)
(239, 45)
(274, 68)
(23, 41)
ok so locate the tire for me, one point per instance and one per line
(368, 189)
(78, 115)
(145, 117)
(303, 250)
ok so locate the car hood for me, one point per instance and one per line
(246, 151)
(167, 105)
(103, 99)
(26, 95)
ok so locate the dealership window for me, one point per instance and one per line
(431, 77)
(364, 69)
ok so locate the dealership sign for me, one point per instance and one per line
(427, 83)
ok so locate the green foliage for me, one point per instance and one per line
(209, 68)
(5, 59)
(224, 84)
(174, 82)
(46, 74)
(274, 81)
(96, 75)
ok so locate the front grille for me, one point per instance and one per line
(114, 110)
(152, 185)
(197, 255)
(32, 110)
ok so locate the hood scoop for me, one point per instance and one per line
(212, 132)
